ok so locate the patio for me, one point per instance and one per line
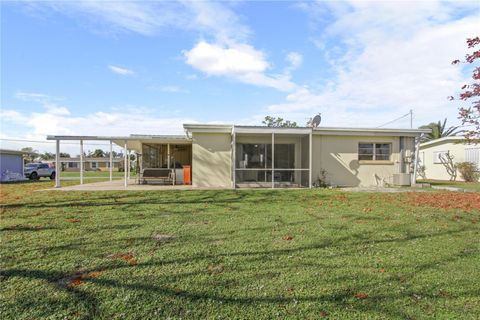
(119, 185)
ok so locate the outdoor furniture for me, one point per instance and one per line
(162, 175)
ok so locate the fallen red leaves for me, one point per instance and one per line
(445, 200)
(290, 290)
(79, 278)
(127, 257)
(288, 238)
(361, 295)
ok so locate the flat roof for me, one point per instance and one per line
(443, 140)
(206, 128)
(15, 152)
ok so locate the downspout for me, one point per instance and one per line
(415, 164)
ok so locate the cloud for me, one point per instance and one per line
(239, 61)
(117, 122)
(152, 17)
(49, 102)
(121, 71)
(295, 60)
(398, 58)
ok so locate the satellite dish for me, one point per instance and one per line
(316, 120)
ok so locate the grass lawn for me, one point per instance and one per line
(94, 174)
(474, 186)
(248, 254)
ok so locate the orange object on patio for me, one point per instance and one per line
(187, 175)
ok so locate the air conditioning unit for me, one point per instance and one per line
(401, 179)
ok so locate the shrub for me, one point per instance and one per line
(468, 171)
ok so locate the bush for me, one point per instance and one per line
(468, 171)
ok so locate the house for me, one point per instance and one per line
(432, 152)
(233, 156)
(11, 165)
(92, 164)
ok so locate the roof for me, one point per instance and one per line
(214, 128)
(442, 140)
(15, 152)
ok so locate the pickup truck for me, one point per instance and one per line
(35, 171)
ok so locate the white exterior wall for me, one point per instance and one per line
(437, 171)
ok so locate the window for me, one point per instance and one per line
(94, 165)
(374, 151)
(73, 165)
(439, 155)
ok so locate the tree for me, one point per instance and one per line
(30, 154)
(47, 156)
(439, 130)
(470, 115)
(98, 153)
(64, 155)
(279, 122)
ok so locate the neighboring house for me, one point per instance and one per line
(231, 156)
(11, 165)
(91, 164)
(431, 153)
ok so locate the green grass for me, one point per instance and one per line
(94, 174)
(474, 186)
(248, 254)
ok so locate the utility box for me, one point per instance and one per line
(401, 179)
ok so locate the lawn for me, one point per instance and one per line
(247, 254)
(473, 186)
(93, 174)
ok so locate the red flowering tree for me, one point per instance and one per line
(470, 115)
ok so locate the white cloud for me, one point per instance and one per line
(398, 58)
(239, 61)
(119, 122)
(121, 71)
(152, 17)
(295, 60)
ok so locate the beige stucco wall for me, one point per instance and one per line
(338, 155)
(211, 160)
(437, 171)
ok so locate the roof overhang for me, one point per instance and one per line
(255, 130)
(16, 152)
(385, 132)
(456, 139)
(208, 128)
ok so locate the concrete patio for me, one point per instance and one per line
(118, 185)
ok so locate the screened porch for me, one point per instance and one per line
(279, 159)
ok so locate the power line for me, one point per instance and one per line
(405, 115)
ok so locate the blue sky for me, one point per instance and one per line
(117, 68)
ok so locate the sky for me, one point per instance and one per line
(147, 67)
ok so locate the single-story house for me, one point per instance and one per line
(92, 164)
(233, 156)
(432, 152)
(11, 165)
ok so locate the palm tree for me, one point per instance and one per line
(439, 130)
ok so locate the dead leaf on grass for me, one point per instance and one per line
(290, 290)
(287, 238)
(73, 220)
(361, 295)
(127, 257)
(366, 210)
(215, 269)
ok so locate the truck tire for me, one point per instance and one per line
(34, 176)
(52, 176)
